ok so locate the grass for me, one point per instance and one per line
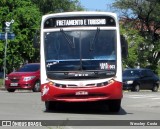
(1, 83)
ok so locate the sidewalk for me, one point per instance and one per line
(2, 88)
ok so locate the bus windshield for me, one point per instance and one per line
(85, 50)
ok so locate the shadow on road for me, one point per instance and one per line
(18, 91)
(85, 108)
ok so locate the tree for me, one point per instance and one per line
(54, 6)
(144, 16)
(134, 40)
(27, 15)
(27, 19)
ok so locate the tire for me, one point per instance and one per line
(50, 105)
(114, 105)
(11, 90)
(36, 87)
(155, 88)
(136, 88)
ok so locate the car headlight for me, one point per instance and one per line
(28, 78)
(129, 82)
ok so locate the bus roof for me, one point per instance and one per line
(81, 13)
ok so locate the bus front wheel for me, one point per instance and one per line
(50, 105)
(114, 105)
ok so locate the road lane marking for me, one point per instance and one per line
(154, 97)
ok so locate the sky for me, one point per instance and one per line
(92, 5)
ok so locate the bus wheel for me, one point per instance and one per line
(36, 87)
(50, 105)
(11, 90)
(114, 105)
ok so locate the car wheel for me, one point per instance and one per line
(36, 87)
(155, 88)
(50, 105)
(114, 105)
(136, 88)
(11, 90)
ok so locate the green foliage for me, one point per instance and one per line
(1, 83)
(27, 15)
(26, 20)
(134, 40)
(54, 6)
(143, 16)
(158, 71)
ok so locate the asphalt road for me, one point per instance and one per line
(26, 105)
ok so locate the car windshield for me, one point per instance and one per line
(80, 50)
(29, 68)
(131, 73)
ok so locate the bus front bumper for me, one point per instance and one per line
(107, 92)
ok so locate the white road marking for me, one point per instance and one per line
(154, 97)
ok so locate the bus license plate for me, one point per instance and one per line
(81, 93)
(14, 84)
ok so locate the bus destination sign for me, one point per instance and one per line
(85, 21)
(80, 22)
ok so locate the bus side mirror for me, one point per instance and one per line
(124, 47)
(36, 40)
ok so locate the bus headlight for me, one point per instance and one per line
(50, 83)
(111, 81)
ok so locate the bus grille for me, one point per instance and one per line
(84, 86)
(93, 95)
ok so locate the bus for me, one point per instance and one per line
(81, 59)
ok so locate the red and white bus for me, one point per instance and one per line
(81, 59)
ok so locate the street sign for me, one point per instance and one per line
(7, 26)
(9, 36)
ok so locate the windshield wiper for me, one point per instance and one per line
(67, 38)
(94, 39)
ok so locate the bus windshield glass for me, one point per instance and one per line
(80, 50)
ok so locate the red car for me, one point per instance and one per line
(27, 77)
